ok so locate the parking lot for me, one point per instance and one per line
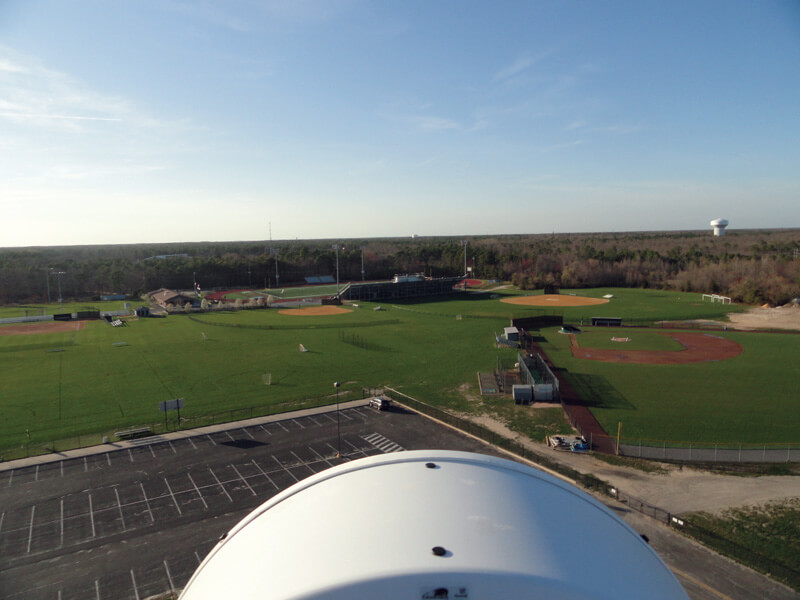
(136, 521)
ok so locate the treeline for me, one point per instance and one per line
(750, 266)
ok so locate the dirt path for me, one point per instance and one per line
(781, 317)
(678, 490)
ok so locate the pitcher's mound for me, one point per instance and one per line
(554, 300)
(314, 311)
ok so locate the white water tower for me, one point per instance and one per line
(719, 226)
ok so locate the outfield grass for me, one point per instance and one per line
(58, 386)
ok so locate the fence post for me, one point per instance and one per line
(690, 451)
(764, 455)
(740, 453)
(715, 453)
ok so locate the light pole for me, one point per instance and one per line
(464, 243)
(59, 273)
(336, 250)
(336, 384)
(362, 263)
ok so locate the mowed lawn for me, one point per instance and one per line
(752, 398)
(102, 379)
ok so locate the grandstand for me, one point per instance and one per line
(399, 289)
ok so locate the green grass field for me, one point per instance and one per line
(749, 399)
(57, 386)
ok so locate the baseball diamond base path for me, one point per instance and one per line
(698, 347)
(555, 300)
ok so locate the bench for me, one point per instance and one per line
(129, 434)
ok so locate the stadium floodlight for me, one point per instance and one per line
(431, 524)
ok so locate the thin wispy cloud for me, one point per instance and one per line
(42, 97)
(520, 65)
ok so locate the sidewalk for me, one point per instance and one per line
(44, 459)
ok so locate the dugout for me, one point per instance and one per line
(607, 321)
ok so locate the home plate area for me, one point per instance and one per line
(383, 444)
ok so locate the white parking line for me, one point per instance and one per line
(356, 449)
(243, 479)
(108, 458)
(30, 528)
(265, 430)
(230, 437)
(119, 505)
(248, 433)
(91, 515)
(85, 465)
(180, 512)
(296, 422)
(197, 556)
(130, 454)
(330, 418)
(135, 589)
(61, 540)
(192, 443)
(151, 450)
(169, 577)
(281, 425)
(10, 477)
(2, 516)
(147, 503)
(214, 475)
(304, 463)
(61, 463)
(317, 423)
(97, 589)
(257, 466)
(36, 475)
(197, 489)
(322, 458)
(285, 469)
(171, 446)
(212, 439)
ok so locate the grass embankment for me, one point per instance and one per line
(766, 537)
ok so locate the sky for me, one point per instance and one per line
(173, 120)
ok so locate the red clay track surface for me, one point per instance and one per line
(41, 327)
(698, 347)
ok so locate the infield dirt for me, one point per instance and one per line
(314, 311)
(698, 347)
(554, 300)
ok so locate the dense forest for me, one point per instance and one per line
(751, 266)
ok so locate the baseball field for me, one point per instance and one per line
(93, 379)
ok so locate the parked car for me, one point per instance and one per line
(380, 403)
